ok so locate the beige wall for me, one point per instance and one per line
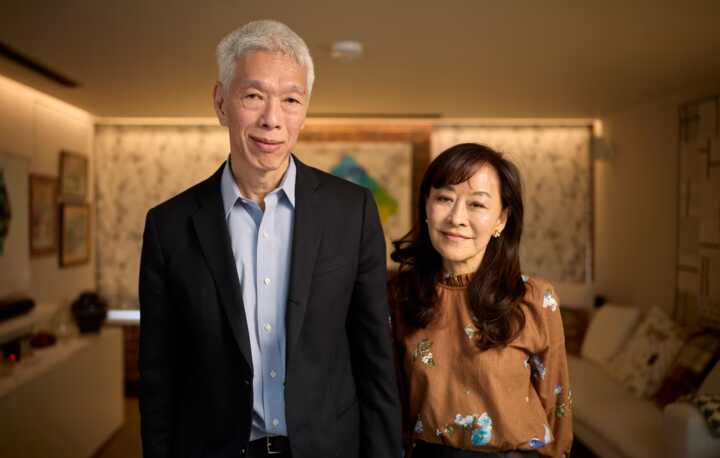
(39, 127)
(636, 202)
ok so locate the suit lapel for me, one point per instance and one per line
(212, 232)
(306, 237)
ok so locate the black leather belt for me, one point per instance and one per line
(269, 446)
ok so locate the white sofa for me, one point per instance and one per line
(614, 423)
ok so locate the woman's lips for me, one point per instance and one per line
(454, 237)
(265, 144)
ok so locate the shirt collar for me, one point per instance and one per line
(231, 192)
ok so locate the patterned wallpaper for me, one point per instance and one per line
(698, 266)
(138, 167)
(556, 169)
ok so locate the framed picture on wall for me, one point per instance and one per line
(43, 215)
(74, 234)
(73, 176)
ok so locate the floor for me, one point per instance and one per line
(126, 442)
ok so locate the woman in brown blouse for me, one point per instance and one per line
(481, 351)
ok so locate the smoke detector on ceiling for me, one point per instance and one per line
(346, 50)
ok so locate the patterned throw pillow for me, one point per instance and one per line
(648, 356)
(709, 406)
(698, 356)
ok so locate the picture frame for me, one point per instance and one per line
(43, 224)
(74, 234)
(73, 177)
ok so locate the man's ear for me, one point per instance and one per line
(219, 103)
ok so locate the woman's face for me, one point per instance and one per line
(462, 218)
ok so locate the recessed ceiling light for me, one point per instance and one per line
(346, 50)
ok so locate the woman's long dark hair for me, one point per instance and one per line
(496, 291)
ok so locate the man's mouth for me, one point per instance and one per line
(266, 144)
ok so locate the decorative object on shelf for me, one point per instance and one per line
(5, 213)
(75, 234)
(43, 339)
(43, 215)
(14, 305)
(73, 176)
(89, 310)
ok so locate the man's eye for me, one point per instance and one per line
(292, 100)
(252, 96)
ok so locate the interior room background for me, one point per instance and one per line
(628, 243)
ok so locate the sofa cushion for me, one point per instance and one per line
(709, 406)
(627, 425)
(648, 356)
(610, 327)
(692, 365)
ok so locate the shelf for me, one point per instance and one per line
(23, 324)
(41, 362)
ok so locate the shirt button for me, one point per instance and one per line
(273, 374)
(268, 327)
(267, 281)
(266, 235)
(276, 422)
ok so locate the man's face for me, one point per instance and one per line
(264, 110)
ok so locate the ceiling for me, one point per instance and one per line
(454, 58)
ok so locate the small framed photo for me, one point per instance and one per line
(74, 234)
(73, 176)
(43, 215)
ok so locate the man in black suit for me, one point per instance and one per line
(264, 327)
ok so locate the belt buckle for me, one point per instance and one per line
(268, 446)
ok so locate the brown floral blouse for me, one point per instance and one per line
(512, 398)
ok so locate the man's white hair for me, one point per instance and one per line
(264, 35)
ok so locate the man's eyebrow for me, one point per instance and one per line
(259, 84)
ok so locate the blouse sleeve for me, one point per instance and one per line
(553, 383)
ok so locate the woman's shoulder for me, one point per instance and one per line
(540, 293)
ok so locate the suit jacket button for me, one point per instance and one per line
(247, 382)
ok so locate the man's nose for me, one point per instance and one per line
(270, 116)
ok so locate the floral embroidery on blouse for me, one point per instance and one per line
(419, 425)
(535, 364)
(558, 389)
(423, 351)
(561, 407)
(537, 443)
(549, 300)
(470, 331)
(525, 278)
(480, 427)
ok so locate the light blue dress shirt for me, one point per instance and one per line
(261, 244)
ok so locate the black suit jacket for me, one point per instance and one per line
(195, 363)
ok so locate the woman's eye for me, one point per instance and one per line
(478, 205)
(444, 199)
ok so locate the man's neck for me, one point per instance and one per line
(255, 186)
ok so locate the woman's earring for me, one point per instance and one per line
(497, 233)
